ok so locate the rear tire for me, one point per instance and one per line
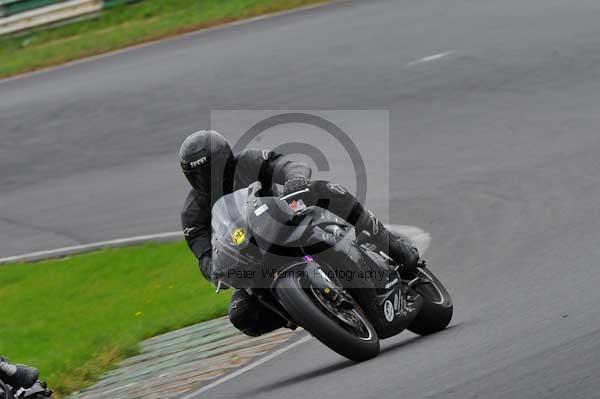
(436, 313)
(323, 325)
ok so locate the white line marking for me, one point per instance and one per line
(434, 57)
(247, 368)
(76, 249)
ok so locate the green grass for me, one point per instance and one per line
(74, 318)
(125, 26)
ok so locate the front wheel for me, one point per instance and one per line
(436, 313)
(346, 331)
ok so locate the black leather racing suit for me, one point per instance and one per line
(245, 312)
(17, 375)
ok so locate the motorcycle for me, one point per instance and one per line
(39, 390)
(297, 260)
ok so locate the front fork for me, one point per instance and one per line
(312, 272)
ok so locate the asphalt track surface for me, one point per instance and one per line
(494, 151)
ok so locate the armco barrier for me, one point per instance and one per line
(18, 15)
(11, 7)
(46, 15)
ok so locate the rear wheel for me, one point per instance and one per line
(347, 331)
(436, 313)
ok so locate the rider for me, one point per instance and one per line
(213, 171)
(17, 375)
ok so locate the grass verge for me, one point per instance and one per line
(125, 26)
(74, 318)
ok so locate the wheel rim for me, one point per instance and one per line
(430, 290)
(350, 319)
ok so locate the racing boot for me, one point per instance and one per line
(392, 244)
(17, 375)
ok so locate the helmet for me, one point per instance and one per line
(208, 163)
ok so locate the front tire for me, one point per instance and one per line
(304, 307)
(436, 313)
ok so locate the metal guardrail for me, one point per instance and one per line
(49, 14)
(18, 15)
(12, 7)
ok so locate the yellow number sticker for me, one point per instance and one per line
(238, 236)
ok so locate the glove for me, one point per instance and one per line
(294, 185)
(206, 269)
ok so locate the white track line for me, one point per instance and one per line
(247, 368)
(434, 57)
(77, 249)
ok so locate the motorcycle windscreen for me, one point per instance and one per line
(272, 223)
(229, 223)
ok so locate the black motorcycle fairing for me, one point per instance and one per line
(404, 311)
(39, 390)
(274, 224)
(254, 236)
(282, 231)
(257, 240)
(373, 296)
(229, 214)
(244, 217)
